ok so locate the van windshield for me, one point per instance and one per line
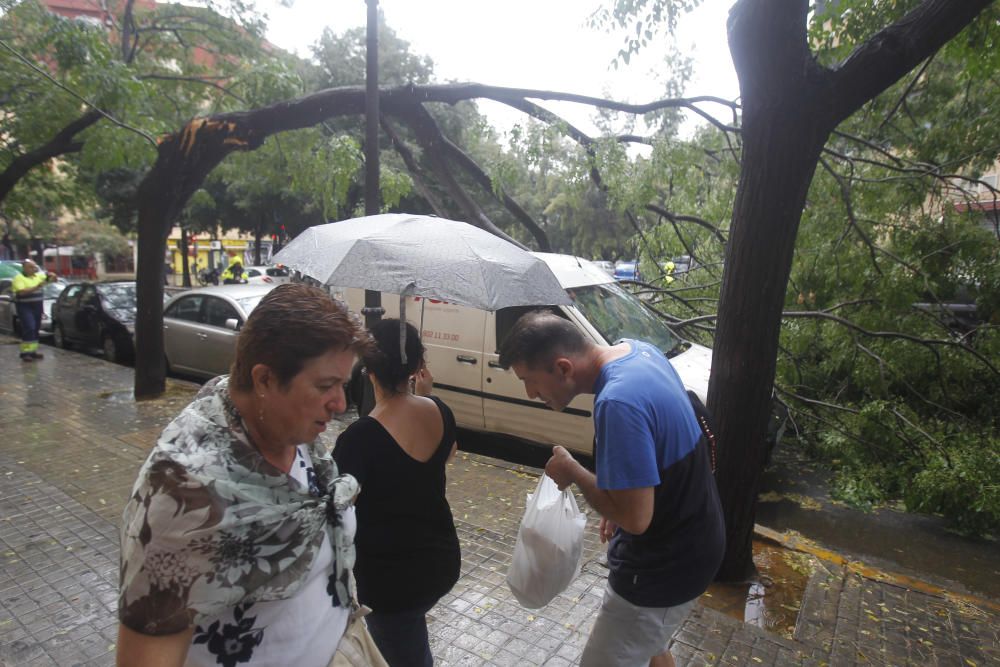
(617, 314)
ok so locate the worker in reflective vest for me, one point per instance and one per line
(233, 274)
(28, 298)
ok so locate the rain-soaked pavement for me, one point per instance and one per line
(72, 440)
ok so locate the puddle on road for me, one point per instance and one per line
(772, 602)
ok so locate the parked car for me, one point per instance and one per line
(626, 270)
(200, 327)
(8, 310)
(10, 268)
(463, 354)
(274, 275)
(97, 316)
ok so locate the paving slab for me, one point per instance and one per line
(73, 438)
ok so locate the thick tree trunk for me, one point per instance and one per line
(784, 130)
(184, 160)
(778, 167)
(150, 363)
(790, 106)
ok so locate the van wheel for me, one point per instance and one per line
(111, 350)
(60, 337)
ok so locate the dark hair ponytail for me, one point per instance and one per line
(384, 360)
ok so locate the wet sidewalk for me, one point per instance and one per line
(71, 440)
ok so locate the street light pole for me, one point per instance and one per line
(373, 309)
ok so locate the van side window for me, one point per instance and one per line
(507, 317)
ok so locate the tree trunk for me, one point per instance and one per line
(778, 167)
(184, 160)
(790, 106)
(258, 231)
(154, 226)
(185, 260)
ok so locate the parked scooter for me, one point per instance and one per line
(208, 276)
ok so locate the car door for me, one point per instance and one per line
(507, 408)
(217, 346)
(6, 307)
(87, 317)
(181, 328)
(64, 310)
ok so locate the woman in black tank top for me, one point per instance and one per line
(407, 547)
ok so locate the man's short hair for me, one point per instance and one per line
(538, 338)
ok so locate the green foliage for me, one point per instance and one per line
(641, 21)
(91, 237)
(964, 486)
(342, 59)
(916, 408)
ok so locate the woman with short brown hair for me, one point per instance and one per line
(238, 538)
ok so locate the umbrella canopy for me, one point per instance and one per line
(419, 255)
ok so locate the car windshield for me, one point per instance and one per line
(618, 314)
(248, 303)
(53, 290)
(118, 296)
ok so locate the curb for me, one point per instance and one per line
(801, 544)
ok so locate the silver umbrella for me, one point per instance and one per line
(420, 255)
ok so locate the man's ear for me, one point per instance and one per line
(263, 378)
(564, 368)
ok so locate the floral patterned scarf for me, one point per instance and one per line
(210, 524)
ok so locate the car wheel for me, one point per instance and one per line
(111, 350)
(60, 337)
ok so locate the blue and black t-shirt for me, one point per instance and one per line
(646, 435)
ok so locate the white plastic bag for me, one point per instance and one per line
(549, 545)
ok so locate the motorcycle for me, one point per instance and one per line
(208, 276)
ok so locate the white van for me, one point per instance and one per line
(462, 353)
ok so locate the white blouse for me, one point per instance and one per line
(303, 630)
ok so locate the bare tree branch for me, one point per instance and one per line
(701, 222)
(430, 138)
(62, 143)
(487, 184)
(411, 165)
(906, 93)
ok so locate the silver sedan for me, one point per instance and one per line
(200, 327)
(8, 310)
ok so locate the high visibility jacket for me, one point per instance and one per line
(22, 282)
(230, 274)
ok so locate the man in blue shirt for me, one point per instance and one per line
(654, 488)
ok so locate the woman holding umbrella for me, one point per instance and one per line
(408, 551)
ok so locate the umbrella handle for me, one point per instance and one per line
(402, 320)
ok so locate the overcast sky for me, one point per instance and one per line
(524, 43)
